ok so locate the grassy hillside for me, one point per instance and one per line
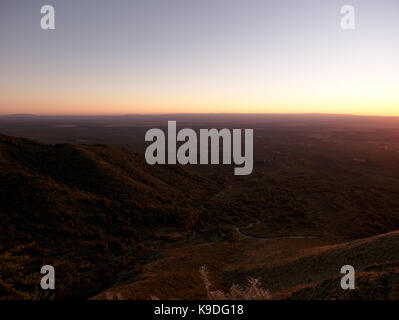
(288, 268)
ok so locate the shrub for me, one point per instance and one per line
(253, 291)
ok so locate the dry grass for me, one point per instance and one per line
(253, 291)
(289, 269)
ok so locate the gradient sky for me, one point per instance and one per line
(166, 56)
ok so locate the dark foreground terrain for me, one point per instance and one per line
(324, 193)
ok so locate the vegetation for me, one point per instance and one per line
(90, 211)
(253, 291)
(104, 218)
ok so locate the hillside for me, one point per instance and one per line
(288, 268)
(113, 226)
(90, 211)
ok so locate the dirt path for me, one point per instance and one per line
(247, 236)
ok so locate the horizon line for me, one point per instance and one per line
(196, 113)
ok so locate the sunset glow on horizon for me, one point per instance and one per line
(227, 56)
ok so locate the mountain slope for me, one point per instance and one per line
(88, 210)
(289, 268)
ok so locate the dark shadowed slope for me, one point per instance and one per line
(90, 211)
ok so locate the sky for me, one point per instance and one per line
(199, 56)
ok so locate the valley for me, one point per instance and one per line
(115, 227)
